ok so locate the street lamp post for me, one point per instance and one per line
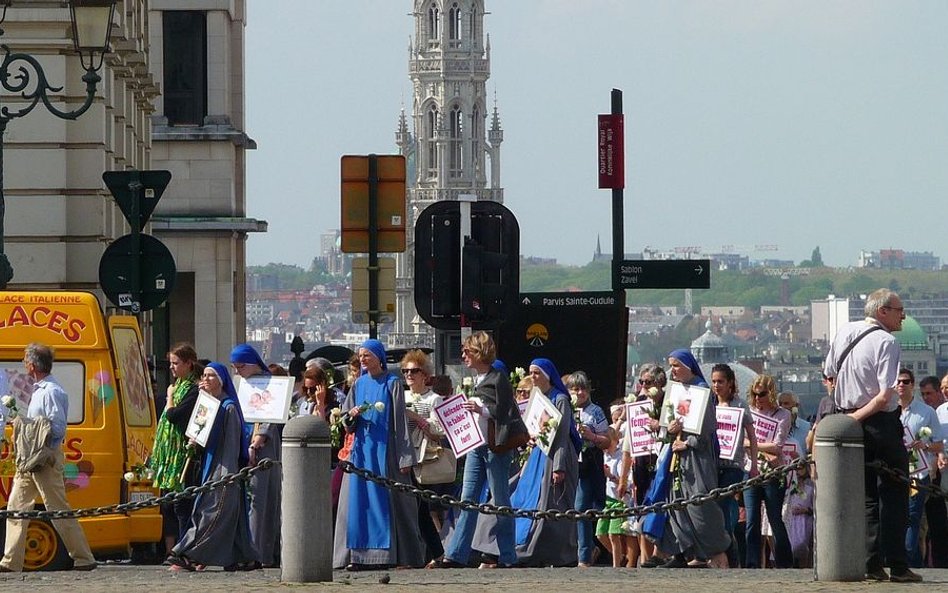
(22, 74)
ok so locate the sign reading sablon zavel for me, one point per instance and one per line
(663, 273)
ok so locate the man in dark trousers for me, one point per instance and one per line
(864, 359)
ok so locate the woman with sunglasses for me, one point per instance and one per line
(762, 397)
(424, 428)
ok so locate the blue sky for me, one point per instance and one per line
(793, 123)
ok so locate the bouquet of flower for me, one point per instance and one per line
(139, 472)
(924, 434)
(516, 376)
(412, 398)
(547, 431)
(467, 386)
(10, 403)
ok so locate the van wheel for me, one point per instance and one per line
(44, 548)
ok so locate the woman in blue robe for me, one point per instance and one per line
(376, 527)
(547, 482)
(220, 525)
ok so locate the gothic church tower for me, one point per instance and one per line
(450, 146)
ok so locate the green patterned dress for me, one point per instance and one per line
(170, 452)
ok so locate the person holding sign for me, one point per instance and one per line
(220, 526)
(265, 487)
(763, 397)
(697, 530)
(491, 461)
(170, 451)
(731, 471)
(376, 527)
(549, 481)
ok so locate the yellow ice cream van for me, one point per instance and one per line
(111, 423)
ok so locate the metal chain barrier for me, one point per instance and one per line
(129, 507)
(900, 476)
(487, 509)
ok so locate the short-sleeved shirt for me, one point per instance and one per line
(871, 367)
(918, 414)
(746, 422)
(50, 400)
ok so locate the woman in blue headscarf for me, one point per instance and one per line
(220, 528)
(698, 531)
(376, 527)
(548, 482)
(265, 487)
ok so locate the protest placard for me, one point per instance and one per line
(730, 423)
(637, 417)
(460, 426)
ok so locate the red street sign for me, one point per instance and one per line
(611, 151)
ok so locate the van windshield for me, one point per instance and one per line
(14, 381)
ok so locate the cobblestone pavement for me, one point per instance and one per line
(158, 579)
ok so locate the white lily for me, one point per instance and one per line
(129, 476)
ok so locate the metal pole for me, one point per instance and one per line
(6, 269)
(137, 190)
(306, 553)
(373, 268)
(840, 529)
(618, 213)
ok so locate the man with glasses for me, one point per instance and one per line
(864, 360)
(924, 447)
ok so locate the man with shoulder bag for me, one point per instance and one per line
(40, 468)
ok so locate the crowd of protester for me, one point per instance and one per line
(384, 421)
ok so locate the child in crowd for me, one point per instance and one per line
(615, 534)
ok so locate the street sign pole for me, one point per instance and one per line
(135, 187)
(373, 246)
(465, 201)
(618, 193)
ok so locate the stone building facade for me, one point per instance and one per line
(172, 97)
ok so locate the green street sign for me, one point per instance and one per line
(155, 278)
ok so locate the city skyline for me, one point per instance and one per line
(822, 119)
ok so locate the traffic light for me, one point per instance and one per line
(482, 290)
(445, 280)
(491, 267)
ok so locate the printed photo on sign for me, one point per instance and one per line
(265, 398)
(460, 426)
(730, 424)
(765, 427)
(542, 419)
(202, 418)
(686, 403)
(637, 417)
(522, 406)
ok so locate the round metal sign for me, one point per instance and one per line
(155, 278)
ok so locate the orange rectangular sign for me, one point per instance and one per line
(390, 203)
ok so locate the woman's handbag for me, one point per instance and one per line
(438, 465)
(517, 436)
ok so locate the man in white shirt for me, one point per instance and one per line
(51, 401)
(864, 359)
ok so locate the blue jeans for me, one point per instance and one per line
(772, 493)
(482, 465)
(586, 499)
(916, 508)
(729, 476)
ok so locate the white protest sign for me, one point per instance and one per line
(460, 426)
